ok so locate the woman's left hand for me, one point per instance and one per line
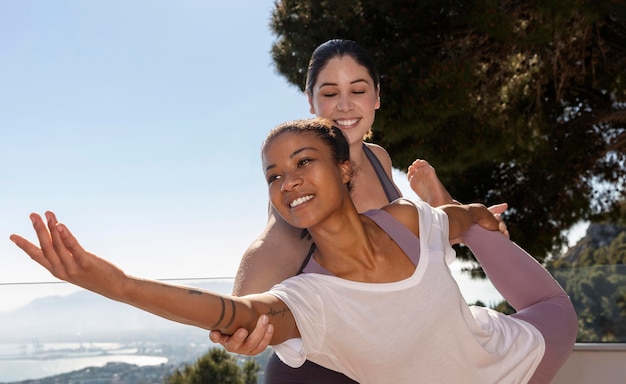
(497, 211)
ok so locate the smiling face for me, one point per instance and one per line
(345, 92)
(306, 182)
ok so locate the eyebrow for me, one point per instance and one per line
(295, 153)
(352, 82)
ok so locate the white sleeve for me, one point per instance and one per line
(434, 229)
(306, 306)
(291, 352)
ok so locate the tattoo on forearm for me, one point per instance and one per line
(219, 321)
(222, 314)
(232, 317)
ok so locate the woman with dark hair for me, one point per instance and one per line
(383, 284)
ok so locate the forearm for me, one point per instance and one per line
(209, 310)
(460, 219)
(462, 216)
(189, 305)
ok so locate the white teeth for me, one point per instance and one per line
(300, 200)
(347, 122)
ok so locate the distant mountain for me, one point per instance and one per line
(598, 235)
(112, 373)
(85, 315)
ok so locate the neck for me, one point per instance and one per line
(342, 242)
(357, 155)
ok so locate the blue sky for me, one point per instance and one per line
(139, 123)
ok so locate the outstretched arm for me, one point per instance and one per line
(62, 255)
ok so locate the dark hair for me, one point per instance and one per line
(338, 48)
(332, 136)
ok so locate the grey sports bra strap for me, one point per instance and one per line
(401, 235)
(390, 190)
(307, 260)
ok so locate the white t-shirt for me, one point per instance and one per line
(418, 330)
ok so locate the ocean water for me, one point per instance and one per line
(35, 361)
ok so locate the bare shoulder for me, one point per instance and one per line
(274, 256)
(405, 212)
(381, 154)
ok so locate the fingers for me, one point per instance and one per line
(243, 343)
(503, 228)
(60, 257)
(52, 253)
(60, 252)
(500, 225)
(498, 208)
(262, 324)
(45, 242)
(45, 252)
(217, 337)
(232, 343)
(31, 250)
(69, 249)
(258, 340)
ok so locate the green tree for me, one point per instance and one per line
(595, 279)
(598, 293)
(250, 371)
(216, 366)
(516, 101)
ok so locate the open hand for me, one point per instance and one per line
(61, 254)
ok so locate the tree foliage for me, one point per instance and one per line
(596, 283)
(516, 101)
(595, 280)
(216, 366)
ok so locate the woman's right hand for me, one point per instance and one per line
(60, 253)
(243, 343)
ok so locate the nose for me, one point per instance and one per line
(291, 180)
(345, 103)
